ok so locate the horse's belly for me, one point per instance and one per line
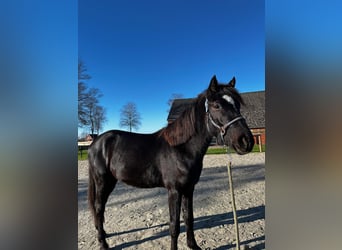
(142, 176)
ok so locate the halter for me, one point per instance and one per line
(222, 128)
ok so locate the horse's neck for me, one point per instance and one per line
(202, 138)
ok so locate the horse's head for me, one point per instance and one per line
(224, 118)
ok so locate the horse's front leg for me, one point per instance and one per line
(174, 209)
(188, 216)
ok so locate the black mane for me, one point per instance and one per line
(180, 130)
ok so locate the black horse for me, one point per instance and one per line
(171, 157)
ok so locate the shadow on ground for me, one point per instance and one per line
(244, 216)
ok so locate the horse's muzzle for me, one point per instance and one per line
(244, 144)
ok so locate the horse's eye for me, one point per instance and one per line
(216, 106)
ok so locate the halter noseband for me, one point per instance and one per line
(221, 128)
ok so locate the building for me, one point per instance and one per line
(91, 137)
(253, 111)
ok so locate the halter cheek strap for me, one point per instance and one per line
(225, 126)
(221, 128)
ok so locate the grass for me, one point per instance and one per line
(222, 150)
(84, 155)
(210, 151)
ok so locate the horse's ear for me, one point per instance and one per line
(232, 83)
(213, 86)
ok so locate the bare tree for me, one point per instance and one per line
(90, 113)
(130, 117)
(92, 106)
(99, 118)
(82, 93)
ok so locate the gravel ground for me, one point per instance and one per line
(138, 218)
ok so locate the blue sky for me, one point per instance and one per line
(144, 51)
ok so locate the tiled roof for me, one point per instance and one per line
(253, 110)
(178, 106)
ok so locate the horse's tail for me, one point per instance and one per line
(91, 190)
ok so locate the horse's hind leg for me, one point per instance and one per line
(104, 186)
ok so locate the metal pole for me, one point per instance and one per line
(233, 205)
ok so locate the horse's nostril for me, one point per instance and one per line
(244, 141)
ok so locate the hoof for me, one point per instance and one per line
(104, 245)
(194, 246)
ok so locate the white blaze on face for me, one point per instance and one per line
(229, 99)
